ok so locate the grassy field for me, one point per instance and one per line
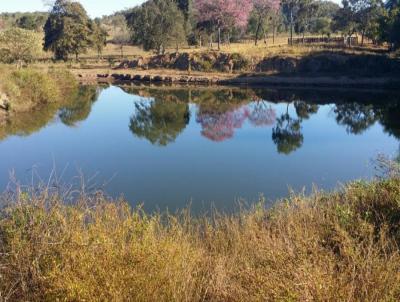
(327, 247)
(246, 48)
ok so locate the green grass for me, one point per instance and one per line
(340, 246)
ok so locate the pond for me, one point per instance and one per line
(167, 147)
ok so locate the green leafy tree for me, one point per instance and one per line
(322, 26)
(122, 36)
(157, 24)
(359, 16)
(19, 45)
(68, 30)
(27, 22)
(306, 14)
(99, 38)
(290, 10)
(389, 24)
(345, 21)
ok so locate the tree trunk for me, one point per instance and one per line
(273, 32)
(265, 38)
(219, 38)
(257, 31)
(291, 26)
(122, 50)
(362, 37)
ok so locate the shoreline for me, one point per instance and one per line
(165, 76)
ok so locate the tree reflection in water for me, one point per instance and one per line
(219, 126)
(262, 114)
(79, 109)
(287, 134)
(158, 121)
(356, 117)
(162, 114)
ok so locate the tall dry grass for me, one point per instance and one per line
(342, 246)
(29, 88)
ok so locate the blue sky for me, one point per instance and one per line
(95, 8)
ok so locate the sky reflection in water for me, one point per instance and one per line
(167, 146)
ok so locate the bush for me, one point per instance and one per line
(29, 88)
(331, 247)
(18, 44)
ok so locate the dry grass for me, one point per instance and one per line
(29, 88)
(327, 247)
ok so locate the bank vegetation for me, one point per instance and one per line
(341, 246)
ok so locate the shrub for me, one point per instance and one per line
(18, 44)
(29, 88)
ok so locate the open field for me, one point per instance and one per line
(330, 247)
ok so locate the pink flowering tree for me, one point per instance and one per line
(223, 13)
(263, 9)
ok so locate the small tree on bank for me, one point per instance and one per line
(68, 30)
(263, 9)
(19, 45)
(223, 13)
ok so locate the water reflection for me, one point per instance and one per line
(158, 121)
(287, 134)
(79, 108)
(167, 146)
(160, 115)
(75, 109)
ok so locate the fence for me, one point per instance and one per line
(316, 40)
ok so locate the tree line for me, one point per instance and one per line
(161, 24)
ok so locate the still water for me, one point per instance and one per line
(167, 147)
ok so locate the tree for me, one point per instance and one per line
(223, 14)
(345, 21)
(27, 22)
(290, 9)
(322, 26)
(359, 16)
(186, 7)
(122, 36)
(307, 11)
(68, 30)
(19, 45)
(99, 38)
(262, 9)
(157, 24)
(389, 24)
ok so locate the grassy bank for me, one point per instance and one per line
(29, 88)
(342, 246)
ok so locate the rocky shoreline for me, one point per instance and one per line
(162, 77)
